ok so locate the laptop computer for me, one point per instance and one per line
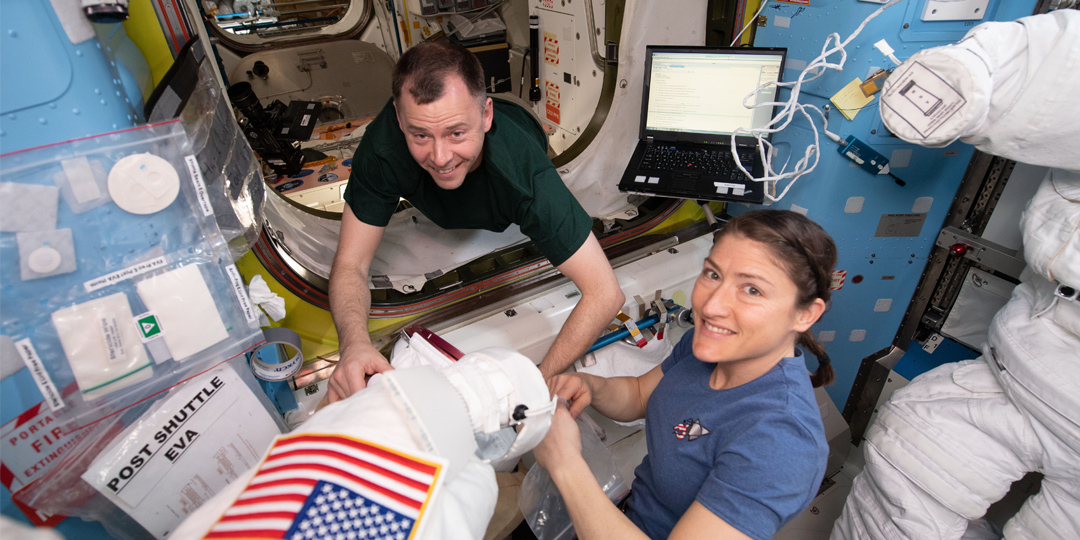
(691, 104)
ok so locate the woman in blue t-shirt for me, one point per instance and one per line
(736, 446)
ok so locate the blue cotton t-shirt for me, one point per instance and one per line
(754, 455)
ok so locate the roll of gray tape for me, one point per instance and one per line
(282, 370)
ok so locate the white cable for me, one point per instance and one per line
(791, 107)
(752, 20)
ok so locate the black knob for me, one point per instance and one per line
(260, 69)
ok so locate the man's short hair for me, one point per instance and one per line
(425, 67)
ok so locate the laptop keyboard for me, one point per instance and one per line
(710, 162)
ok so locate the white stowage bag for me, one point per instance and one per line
(947, 446)
(388, 416)
(1008, 88)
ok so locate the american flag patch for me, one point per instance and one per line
(333, 487)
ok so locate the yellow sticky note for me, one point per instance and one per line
(850, 99)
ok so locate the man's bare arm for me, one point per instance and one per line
(601, 299)
(350, 301)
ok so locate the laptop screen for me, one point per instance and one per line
(696, 93)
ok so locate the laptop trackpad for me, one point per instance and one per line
(684, 181)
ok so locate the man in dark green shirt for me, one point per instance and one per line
(465, 161)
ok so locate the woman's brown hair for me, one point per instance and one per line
(808, 255)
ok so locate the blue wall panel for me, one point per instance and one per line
(50, 89)
(889, 267)
(917, 361)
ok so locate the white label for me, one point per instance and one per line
(41, 377)
(635, 333)
(932, 343)
(923, 99)
(305, 120)
(126, 273)
(204, 435)
(241, 293)
(200, 186)
(114, 344)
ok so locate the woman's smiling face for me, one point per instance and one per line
(745, 305)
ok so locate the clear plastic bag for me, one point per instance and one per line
(539, 498)
(233, 176)
(137, 294)
(166, 439)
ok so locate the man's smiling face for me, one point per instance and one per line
(446, 136)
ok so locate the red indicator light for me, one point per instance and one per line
(958, 250)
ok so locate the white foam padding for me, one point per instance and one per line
(102, 345)
(190, 322)
(10, 362)
(83, 184)
(27, 207)
(143, 184)
(45, 253)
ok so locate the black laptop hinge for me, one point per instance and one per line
(649, 139)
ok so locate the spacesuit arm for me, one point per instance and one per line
(350, 301)
(601, 299)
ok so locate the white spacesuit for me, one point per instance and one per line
(951, 442)
(395, 460)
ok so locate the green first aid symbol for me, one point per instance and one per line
(148, 326)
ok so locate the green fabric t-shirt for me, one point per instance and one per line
(515, 183)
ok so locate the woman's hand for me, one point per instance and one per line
(573, 388)
(562, 445)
